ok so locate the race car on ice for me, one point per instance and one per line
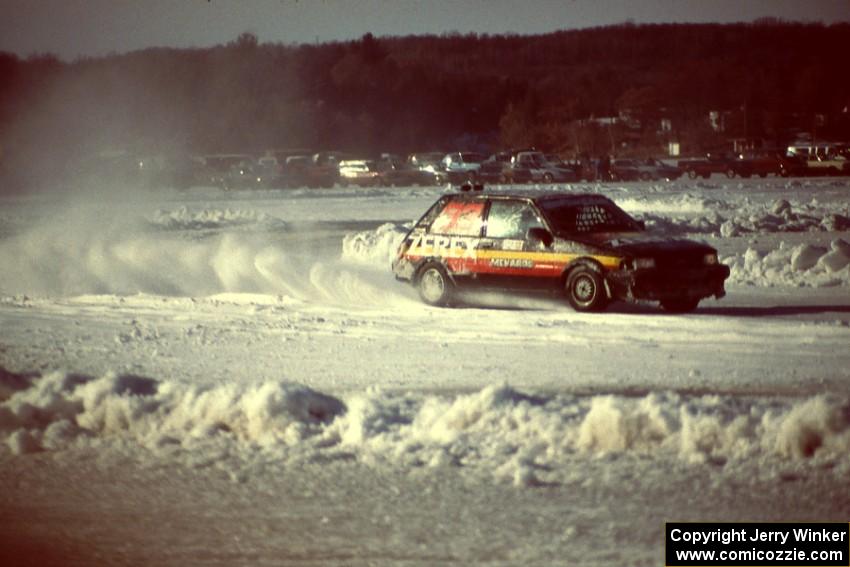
(583, 246)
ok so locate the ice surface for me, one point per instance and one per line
(236, 378)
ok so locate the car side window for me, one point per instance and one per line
(511, 219)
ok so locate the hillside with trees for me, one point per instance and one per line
(621, 89)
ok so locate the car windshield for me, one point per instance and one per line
(472, 157)
(574, 217)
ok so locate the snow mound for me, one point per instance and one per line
(184, 219)
(520, 438)
(708, 216)
(374, 247)
(685, 203)
(62, 409)
(802, 265)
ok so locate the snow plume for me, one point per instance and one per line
(115, 252)
(374, 247)
(521, 438)
(183, 218)
(104, 257)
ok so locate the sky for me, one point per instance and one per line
(74, 28)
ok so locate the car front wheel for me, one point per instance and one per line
(586, 290)
(434, 285)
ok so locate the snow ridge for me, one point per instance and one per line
(522, 438)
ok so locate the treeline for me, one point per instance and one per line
(404, 94)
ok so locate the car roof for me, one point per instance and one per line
(536, 196)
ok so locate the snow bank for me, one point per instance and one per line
(686, 203)
(802, 265)
(781, 216)
(64, 409)
(520, 438)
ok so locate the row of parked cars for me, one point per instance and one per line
(800, 160)
(301, 168)
(326, 169)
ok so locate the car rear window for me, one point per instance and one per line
(587, 217)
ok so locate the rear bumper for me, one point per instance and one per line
(657, 285)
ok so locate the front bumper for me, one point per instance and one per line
(658, 285)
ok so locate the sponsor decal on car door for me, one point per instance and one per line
(453, 237)
(506, 256)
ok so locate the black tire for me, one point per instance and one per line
(730, 173)
(547, 178)
(692, 174)
(683, 305)
(586, 290)
(645, 176)
(434, 286)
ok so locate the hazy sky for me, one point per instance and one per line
(70, 28)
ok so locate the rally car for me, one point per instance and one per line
(583, 246)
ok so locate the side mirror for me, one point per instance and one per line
(540, 234)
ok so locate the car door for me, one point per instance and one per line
(454, 236)
(506, 257)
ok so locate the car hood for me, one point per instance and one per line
(641, 244)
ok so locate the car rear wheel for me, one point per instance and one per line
(586, 290)
(684, 305)
(692, 174)
(434, 285)
(730, 173)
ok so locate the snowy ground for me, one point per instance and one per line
(237, 379)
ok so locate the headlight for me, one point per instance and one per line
(644, 263)
(710, 259)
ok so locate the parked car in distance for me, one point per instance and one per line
(306, 170)
(581, 246)
(662, 170)
(539, 169)
(704, 167)
(428, 161)
(460, 167)
(361, 172)
(249, 174)
(395, 173)
(643, 170)
(822, 159)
